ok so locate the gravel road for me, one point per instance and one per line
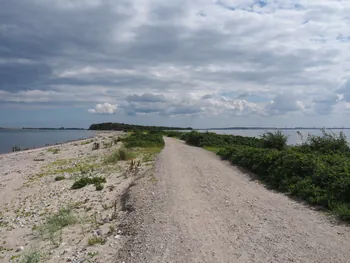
(198, 208)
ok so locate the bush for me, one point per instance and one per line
(219, 140)
(84, 181)
(328, 142)
(96, 240)
(275, 140)
(138, 139)
(59, 178)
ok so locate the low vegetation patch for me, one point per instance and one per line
(54, 150)
(84, 181)
(121, 154)
(32, 256)
(59, 178)
(96, 240)
(56, 222)
(146, 139)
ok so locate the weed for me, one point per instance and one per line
(64, 217)
(92, 254)
(95, 146)
(59, 178)
(54, 150)
(99, 187)
(111, 229)
(96, 240)
(121, 154)
(84, 181)
(33, 256)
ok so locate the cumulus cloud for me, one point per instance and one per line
(105, 108)
(188, 104)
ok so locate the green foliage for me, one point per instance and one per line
(130, 127)
(138, 139)
(219, 140)
(96, 240)
(121, 154)
(59, 178)
(174, 134)
(328, 142)
(33, 256)
(84, 181)
(276, 140)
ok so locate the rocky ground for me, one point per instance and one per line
(42, 217)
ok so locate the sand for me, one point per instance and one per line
(29, 195)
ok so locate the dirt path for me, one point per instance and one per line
(201, 209)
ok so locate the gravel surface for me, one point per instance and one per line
(197, 208)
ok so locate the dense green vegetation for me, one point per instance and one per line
(130, 127)
(144, 139)
(317, 171)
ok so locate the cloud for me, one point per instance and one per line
(188, 104)
(178, 58)
(105, 108)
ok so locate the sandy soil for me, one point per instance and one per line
(198, 208)
(29, 195)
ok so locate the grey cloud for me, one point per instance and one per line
(146, 97)
(160, 47)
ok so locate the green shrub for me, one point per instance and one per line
(84, 181)
(275, 140)
(59, 178)
(138, 139)
(328, 142)
(210, 139)
(99, 187)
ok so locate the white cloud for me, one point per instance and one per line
(105, 108)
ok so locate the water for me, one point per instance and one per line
(293, 137)
(38, 138)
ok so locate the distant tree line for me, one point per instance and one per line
(109, 126)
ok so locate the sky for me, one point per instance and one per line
(198, 63)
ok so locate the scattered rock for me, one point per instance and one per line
(19, 249)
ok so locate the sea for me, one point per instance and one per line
(38, 138)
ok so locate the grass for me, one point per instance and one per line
(121, 154)
(84, 181)
(96, 240)
(54, 150)
(33, 256)
(56, 222)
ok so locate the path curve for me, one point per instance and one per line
(198, 208)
